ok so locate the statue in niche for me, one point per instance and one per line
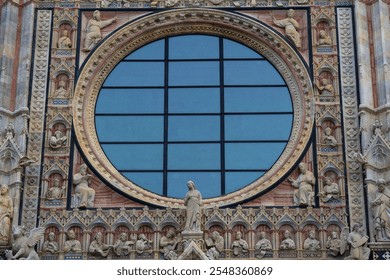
(168, 244)
(262, 246)
(311, 243)
(81, 180)
(55, 191)
(193, 202)
(331, 192)
(6, 215)
(333, 244)
(325, 87)
(98, 248)
(287, 242)
(23, 248)
(64, 41)
(217, 241)
(239, 245)
(303, 195)
(94, 26)
(380, 206)
(328, 138)
(50, 245)
(324, 39)
(290, 26)
(122, 246)
(358, 242)
(143, 244)
(72, 245)
(61, 91)
(10, 131)
(57, 139)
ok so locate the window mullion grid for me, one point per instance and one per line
(222, 114)
(165, 153)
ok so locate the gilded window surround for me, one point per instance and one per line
(185, 21)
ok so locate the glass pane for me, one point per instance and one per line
(145, 74)
(237, 180)
(194, 156)
(233, 49)
(130, 128)
(194, 128)
(257, 99)
(251, 73)
(208, 183)
(151, 51)
(193, 47)
(152, 181)
(252, 155)
(205, 73)
(258, 127)
(135, 156)
(130, 101)
(194, 100)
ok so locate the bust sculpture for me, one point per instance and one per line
(287, 242)
(50, 245)
(239, 245)
(262, 246)
(72, 245)
(311, 243)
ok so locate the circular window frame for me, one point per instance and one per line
(138, 33)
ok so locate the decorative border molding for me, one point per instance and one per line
(37, 117)
(183, 21)
(349, 95)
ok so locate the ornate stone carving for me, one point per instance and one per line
(216, 244)
(328, 138)
(50, 245)
(262, 246)
(239, 245)
(56, 191)
(380, 207)
(333, 244)
(123, 246)
(98, 248)
(94, 34)
(23, 247)
(143, 244)
(358, 243)
(291, 27)
(57, 140)
(72, 245)
(331, 191)
(85, 195)
(287, 242)
(311, 243)
(304, 184)
(325, 88)
(6, 215)
(64, 41)
(168, 244)
(193, 203)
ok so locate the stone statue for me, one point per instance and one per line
(328, 138)
(64, 42)
(6, 215)
(122, 246)
(262, 246)
(304, 195)
(325, 88)
(331, 192)
(287, 243)
(311, 243)
(55, 191)
(217, 241)
(57, 140)
(239, 245)
(72, 245)
(333, 244)
(358, 243)
(324, 39)
(61, 91)
(143, 244)
(98, 248)
(85, 193)
(10, 131)
(290, 26)
(23, 247)
(50, 245)
(168, 243)
(94, 26)
(380, 207)
(193, 202)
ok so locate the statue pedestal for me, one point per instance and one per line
(192, 235)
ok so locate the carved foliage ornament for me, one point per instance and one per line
(202, 21)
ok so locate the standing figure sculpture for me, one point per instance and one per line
(303, 195)
(81, 180)
(94, 26)
(291, 27)
(380, 206)
(358, 243)
(6, 214)
(193, 202)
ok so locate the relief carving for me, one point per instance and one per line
(72, 245)
(85, 195)
(239, 245)
(331, 191)
(358, 244)
(64, 41)
(291, 27)
(98, 248)
(333, 245)
(6, 215)
(311, 243)
(143, 244)
(123, 246)
(262, 246)
(168, 244)
(216, 244)
(23, 248)
(57, 140)
(50, 245)
(287, 242)
(304, 184)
